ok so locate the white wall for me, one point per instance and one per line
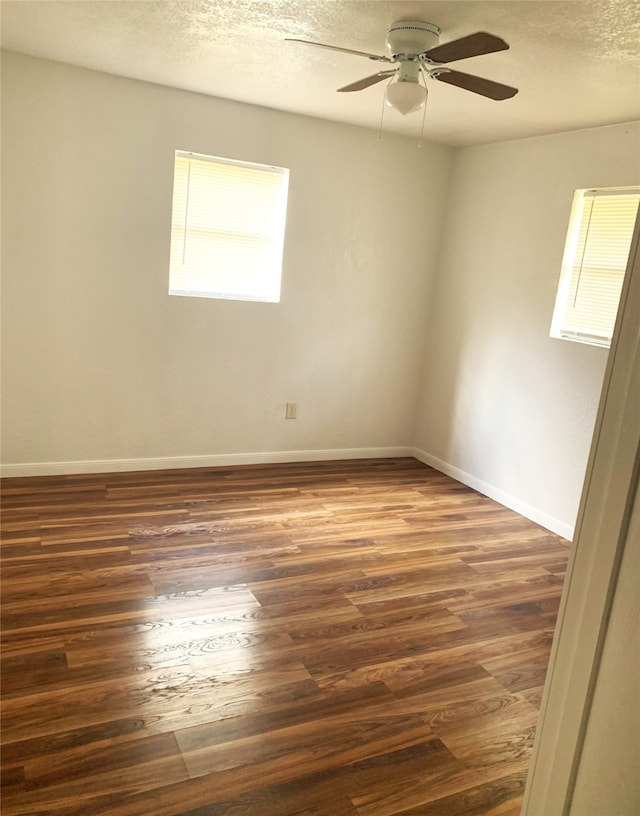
(100, 364)
(503, 406)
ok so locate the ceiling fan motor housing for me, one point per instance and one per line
(411, 37)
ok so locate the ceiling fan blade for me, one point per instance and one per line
(479, 85)
(471, 46)
(344, 50)
(367, 81)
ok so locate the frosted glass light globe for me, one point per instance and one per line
(406, 97)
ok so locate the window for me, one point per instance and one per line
(227, 228)
(594, 264)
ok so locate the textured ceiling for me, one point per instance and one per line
(576, 62)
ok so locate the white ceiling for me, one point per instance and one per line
(576, 62)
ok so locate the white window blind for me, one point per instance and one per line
(227, 230)
(594, 264)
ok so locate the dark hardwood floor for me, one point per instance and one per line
(361, 638)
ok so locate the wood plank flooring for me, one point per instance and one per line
(355, 638)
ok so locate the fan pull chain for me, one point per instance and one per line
(384, 99)
(424, 112)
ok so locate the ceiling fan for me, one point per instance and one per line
(414, 52)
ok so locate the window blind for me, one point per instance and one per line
(227, 231)
(594, 264)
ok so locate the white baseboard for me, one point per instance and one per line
(214, 460)
(528, 511)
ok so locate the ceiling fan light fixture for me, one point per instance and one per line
(406, 96)
(413, 48)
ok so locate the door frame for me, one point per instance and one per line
(602, 528)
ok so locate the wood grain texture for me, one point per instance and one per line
(354, 638)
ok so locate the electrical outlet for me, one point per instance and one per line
(291, 410)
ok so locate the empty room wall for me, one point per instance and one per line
(101, 368)
(503, 406)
